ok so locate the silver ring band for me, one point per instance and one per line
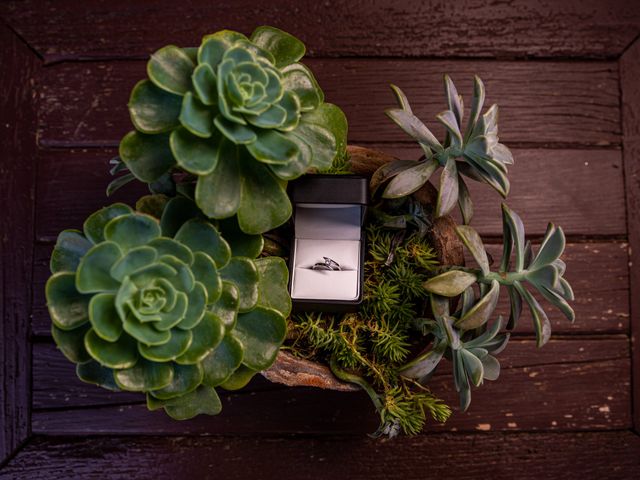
(328, 264)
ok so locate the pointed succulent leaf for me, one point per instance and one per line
(476, 105)
(473, 367)
(515, 302)
(407, 181)
(464, 201)
(147, 156)
(414, 128)
(454, 101)
(551, 248)
(425, 363)
(540, 320)
(70, 247)
(285, 48)
(490, 367)
(450, 122)
(474, 244)
(482, 310)
(388, 171)
(152, 109)
(512, 222)
(170, 68)
(402, 99)
(448, 193)
(451, 283)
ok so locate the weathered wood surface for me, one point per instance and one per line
(530, 28)
(603, 455)
(56, 387)
(542, 103)
(17, 184)
(581, 190)
(629, 73)
(598, 273)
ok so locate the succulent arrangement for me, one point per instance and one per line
(406, 326)
(182, 294)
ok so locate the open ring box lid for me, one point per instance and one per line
(328, 218)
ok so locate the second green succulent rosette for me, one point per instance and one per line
(240, 116)
(160, 302)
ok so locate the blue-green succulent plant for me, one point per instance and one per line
(166, 306)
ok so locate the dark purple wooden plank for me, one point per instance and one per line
(541, 103)
(579, 456)
(531, 28)
(597, 271)
(17, 191)
(629, 74)
(71, 186)
(56, 386)
(557, 396)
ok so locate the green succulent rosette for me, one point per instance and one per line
(166, 306)
(241, 115)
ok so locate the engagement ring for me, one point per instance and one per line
(328, 264)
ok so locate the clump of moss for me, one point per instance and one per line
(370, 347)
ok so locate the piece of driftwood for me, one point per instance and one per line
(293, 371)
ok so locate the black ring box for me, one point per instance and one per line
(336, 192)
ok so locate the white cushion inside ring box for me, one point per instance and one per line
(326, 230)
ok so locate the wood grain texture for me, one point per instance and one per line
(55, 385)
(541, 103)
(581, 190)
(529, 456)
(629, 74)
(468, 28)
(537, 390)
(17, 183)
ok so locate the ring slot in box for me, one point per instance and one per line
(327, 248)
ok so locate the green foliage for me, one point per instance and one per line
(240, 117)
(477, 154)
(368, 347)
(162, 305)
(542, 271)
